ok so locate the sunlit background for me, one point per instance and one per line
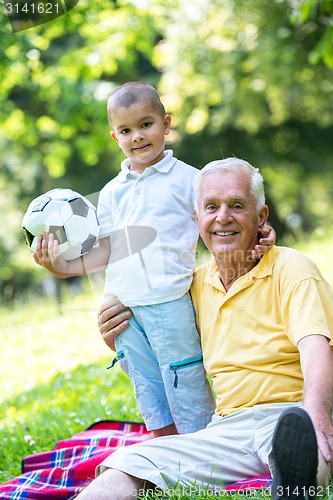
(248, 78)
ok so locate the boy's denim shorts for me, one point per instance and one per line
(160, 352)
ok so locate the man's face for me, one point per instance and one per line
(139, 130)
(228, 218)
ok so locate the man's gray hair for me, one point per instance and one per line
(233, 164)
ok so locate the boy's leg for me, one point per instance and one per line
(171, 330)
(168, 430)
(137, 360)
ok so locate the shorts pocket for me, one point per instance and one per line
(192, 374)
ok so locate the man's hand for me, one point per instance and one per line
(112, 320)
(47, 255)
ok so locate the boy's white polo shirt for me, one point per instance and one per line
(150, 220)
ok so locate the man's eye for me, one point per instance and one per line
(211, 208)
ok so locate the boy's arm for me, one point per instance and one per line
(266, 241)
(47, 255)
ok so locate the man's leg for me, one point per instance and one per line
(112, 484)
(220, 454)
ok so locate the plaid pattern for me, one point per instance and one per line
(253, 483)
(64, 471)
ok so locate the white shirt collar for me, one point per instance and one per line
(163, 165)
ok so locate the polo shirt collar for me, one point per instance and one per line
(263, 269)
(162, 166)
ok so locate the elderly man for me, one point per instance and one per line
(265, 330)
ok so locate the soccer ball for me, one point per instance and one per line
(68, 215)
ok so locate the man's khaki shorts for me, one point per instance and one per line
(229, 449)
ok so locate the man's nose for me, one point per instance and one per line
(224, 214)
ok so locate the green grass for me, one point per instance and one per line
(53, 378)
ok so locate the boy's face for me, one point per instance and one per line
(139, 130)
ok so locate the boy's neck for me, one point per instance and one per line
(139, 169)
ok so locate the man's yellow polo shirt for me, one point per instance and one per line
(249, 334)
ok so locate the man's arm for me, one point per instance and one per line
(317, 368)
(112, 320)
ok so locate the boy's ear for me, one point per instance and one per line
(114, 137)
(167, 124)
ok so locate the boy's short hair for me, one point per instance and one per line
(132, 93)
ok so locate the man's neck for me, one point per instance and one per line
(230, 270)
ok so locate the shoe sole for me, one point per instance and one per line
(295, 455)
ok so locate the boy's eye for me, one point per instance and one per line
(125, 131)
(146, 124)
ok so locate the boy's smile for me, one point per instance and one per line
(139, 130)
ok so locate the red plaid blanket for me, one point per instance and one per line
(64, 471)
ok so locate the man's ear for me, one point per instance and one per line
(114, 137)
(263, 216)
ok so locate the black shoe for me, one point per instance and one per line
(295, 456)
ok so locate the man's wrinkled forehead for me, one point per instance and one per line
(225, 184)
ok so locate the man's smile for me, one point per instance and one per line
(225, 233)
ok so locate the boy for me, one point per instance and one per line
(148, 238)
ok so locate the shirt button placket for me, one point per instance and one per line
(137, 190)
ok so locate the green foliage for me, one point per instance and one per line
(53, 125)
(238, 80)
(314, 17)
(245, 67)
(248, 78)
(57, 78)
